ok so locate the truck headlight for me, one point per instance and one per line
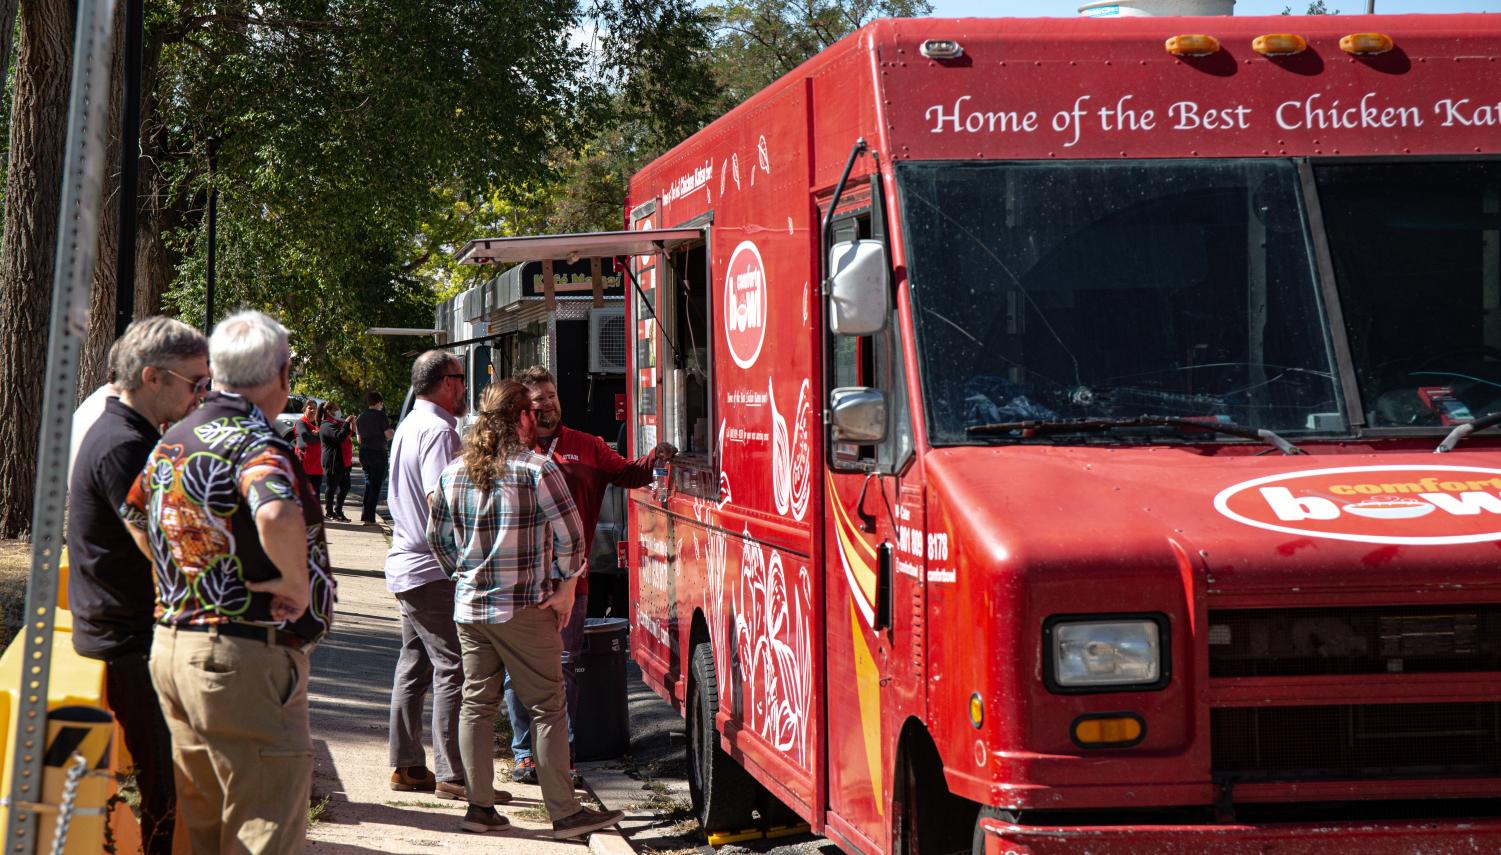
(1103, 654)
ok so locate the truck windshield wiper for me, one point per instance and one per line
(1464, 430)
(1034, 427)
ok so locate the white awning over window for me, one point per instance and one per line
(517, 250)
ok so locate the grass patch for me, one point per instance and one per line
(503, 732)
(129, 792)
(452, 805)
(674, 816)
(530, 814)
(317, 809)
(15, 568)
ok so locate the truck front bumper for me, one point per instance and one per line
(1446, 837)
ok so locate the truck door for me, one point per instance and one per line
(866, 517)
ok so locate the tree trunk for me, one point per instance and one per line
(155, 263)
(7, 29)
(92, 365)
(38, 128)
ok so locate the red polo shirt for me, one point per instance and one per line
(589, 465)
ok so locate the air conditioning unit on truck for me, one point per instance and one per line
(1058, 402)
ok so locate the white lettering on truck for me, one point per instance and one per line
(1312, 114)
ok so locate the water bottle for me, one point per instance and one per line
(659, 483)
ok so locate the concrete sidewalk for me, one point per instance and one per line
(350, 695)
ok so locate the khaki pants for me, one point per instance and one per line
(241, 756)
(529, 647)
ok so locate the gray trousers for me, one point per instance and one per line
(429, 659)
(529, 648)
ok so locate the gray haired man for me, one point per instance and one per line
(243, 588)
(160, 371)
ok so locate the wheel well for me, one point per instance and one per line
(698, 632)
(944, 821)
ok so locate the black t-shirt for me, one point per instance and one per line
(109, 580)
(371, 426)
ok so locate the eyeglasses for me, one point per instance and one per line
(200, 386)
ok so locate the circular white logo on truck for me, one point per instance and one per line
(1414, 505)
(745, 304)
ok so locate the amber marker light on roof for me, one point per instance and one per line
(1366, 44)
(941, 49)
(1279, 44)
(1192, 45)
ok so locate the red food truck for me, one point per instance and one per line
(1058, 403)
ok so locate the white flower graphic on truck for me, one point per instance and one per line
(773, 649)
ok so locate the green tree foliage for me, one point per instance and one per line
(358, 139)
(1316, 7)
(670, 67)
(757, 41)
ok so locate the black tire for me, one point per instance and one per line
(723, 793)
(926, 819)
(977, 845)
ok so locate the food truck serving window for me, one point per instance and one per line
(677, 353)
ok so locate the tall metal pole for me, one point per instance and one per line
(77, 246)
(130, 156)
(213, 229)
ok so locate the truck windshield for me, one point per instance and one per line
(1107, 290)
(1417, 259)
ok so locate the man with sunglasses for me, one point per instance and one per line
(160, 369)
(425, 441)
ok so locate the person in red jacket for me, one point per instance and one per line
(308, 445)
(589, 465)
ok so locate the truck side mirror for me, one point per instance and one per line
(858, 414)
(859, 297)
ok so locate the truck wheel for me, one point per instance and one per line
(926, 819)
(723, 793)
(977, 846)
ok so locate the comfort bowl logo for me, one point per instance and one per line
(1414, 505)
(745, 304)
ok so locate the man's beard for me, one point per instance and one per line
(548, 421)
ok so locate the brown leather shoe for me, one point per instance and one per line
(459, 793)
(413, 779)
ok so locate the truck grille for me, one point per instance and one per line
(1379, 640)
(1372, 741)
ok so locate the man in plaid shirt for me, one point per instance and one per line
(503, 525)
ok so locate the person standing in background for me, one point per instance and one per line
(373, 429)
(160, 371)
(425, 442)
(588, 466)
(338, 454)
(308, 446)
(503, 526)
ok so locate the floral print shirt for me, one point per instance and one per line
(197, 498)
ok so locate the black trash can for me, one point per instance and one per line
(603, 730)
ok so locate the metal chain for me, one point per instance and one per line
(65, 806)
